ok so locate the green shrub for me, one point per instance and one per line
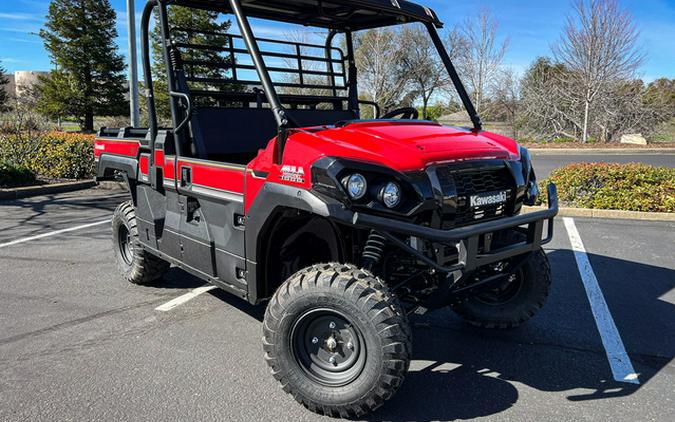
(628, 187)
(13, 176)
(52, 154)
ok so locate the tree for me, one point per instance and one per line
(659, 98)
(205, 29)
(599, 47)
(481, 55)
(379, 56)
(506, 100)
(80, 38)
(546, 109)
(4, 96)
(422, 65)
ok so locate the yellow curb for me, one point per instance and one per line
(614, 214)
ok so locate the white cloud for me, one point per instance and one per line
(20, 16)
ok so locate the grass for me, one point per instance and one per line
(665, 133)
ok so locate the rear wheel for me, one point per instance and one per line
(137, 265)
(337, 340)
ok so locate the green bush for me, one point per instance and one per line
(52, 154)
(13, 176)
(628, 187)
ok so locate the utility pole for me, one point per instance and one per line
(133, 65)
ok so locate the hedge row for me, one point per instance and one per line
(628, 187)
(53, 154)
(12, 176)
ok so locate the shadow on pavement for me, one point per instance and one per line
(467, 372)
(67, 204)
(176, 278)
(460, 372)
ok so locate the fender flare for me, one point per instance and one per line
(271, 198)
(128, 167)
(107, 163)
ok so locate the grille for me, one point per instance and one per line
(461, 184)
(480, 182)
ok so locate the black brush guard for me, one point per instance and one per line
(467, 239)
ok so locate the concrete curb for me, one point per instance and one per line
(596, 151)
(28, 191)
(111, 185)
(612, 214)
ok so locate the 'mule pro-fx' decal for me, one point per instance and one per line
(294, 174)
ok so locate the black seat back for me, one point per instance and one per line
(221, 132)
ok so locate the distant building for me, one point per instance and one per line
(25, 80)
(22, 81)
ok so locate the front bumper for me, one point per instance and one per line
(467, 239)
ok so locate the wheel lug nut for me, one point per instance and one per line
(331, 359)
(331, 325)
(350, 345)
(315, 340)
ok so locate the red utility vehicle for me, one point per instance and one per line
(269, 185)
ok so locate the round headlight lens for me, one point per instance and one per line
(356, 186)
(391, 194)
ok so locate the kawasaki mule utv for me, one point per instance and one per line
(270, 186)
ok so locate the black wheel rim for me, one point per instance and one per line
(126, 245)
(328, 347)
(506, 292)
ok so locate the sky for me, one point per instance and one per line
(531, 27)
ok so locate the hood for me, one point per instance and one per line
(407, 145)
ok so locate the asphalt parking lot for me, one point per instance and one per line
(78, 343)
(548, 160)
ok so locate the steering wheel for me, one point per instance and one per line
(409, 113)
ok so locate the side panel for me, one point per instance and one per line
(212, 199)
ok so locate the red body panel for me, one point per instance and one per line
(402, 146)
(125, 147)
(144, 164)
(405, 146)
(228, 178)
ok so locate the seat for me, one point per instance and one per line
(236, 134)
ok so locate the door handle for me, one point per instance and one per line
(185, 176)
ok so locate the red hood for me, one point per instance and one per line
(403, 146)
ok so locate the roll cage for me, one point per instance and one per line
(188, 87)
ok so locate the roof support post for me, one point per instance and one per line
(352, 75)
(147, 68)
(461, 90)
(261, 68)
(133, 65)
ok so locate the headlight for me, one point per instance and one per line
(356, 186)
(391, 194)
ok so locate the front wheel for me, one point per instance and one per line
(337, 340)
(514, 302)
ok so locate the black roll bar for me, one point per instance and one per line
(352, 74)
(147, 69)
(263, 74)
(149, 90)
(169, 59)
(284, 121)
(459, 86)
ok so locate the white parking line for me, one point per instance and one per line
(54, 233)
(184, 298)
(622, 368)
